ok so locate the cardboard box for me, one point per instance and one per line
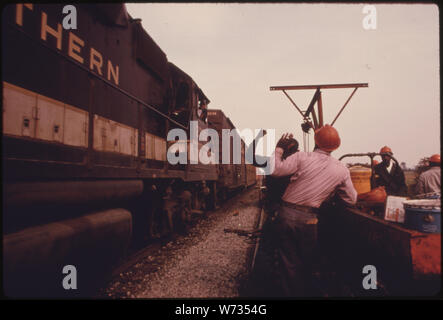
(394, 210)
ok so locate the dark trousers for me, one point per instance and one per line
(296, 235)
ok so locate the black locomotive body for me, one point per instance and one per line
(86, 113)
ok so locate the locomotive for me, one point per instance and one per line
(86, 113)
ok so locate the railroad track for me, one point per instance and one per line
(230, 227)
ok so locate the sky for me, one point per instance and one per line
(235, 52)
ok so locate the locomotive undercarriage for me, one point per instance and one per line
(92, 225)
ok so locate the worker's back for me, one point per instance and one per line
(429, 181)
(316, 176)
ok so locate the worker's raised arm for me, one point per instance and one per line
(346, 190)
(280, 167)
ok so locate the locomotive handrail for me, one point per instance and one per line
(104, 80)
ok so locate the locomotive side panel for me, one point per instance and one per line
(217, 120)
(74, 108)
(251, 175)
(186, 100)
(231, 176)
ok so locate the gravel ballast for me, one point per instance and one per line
(211, 261)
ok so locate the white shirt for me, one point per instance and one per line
(389, 167)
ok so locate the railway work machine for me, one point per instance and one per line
(86, 114)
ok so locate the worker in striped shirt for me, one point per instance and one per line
(315, 177)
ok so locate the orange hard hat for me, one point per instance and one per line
(435, 158)
(386, 149)
(327, 138)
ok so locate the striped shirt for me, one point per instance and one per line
(315, 176)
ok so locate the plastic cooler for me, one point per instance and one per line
(423, 215)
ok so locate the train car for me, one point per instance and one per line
(251, 175)
(86, 114)
(235, 175)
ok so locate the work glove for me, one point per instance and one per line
(284, 141)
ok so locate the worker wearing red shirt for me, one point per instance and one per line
(315, 177)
